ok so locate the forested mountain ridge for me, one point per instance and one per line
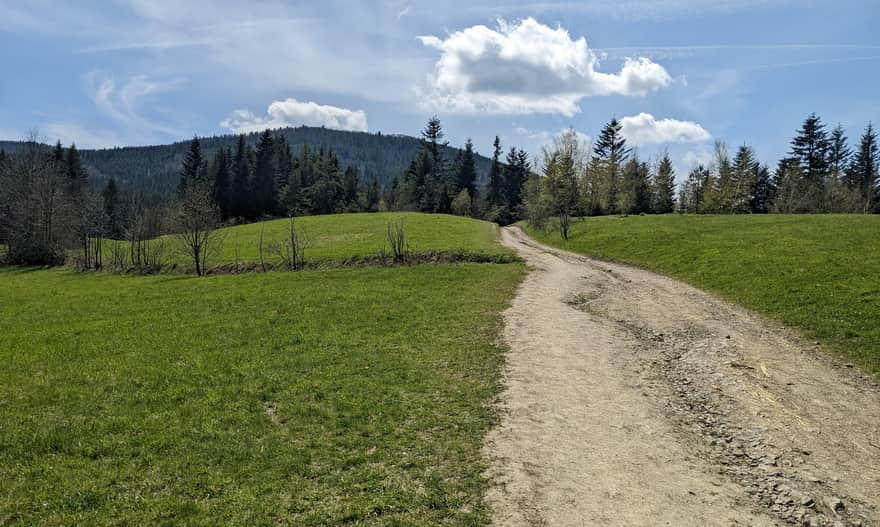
(156, 169)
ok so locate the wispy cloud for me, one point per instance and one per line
(667, 52)
(628, 9)
(123, 103)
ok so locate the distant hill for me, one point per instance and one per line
(155, 168)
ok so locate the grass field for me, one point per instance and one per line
(354, 396)
(342, 396)
(819, 273)
(337, 237)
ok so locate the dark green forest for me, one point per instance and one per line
(156, 169)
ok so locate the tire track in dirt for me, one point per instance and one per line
(633, 399)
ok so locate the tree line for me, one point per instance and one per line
(821, 174)
(270, 181)
(48, 207)
(434, 183)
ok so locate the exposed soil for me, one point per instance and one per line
(633, 399)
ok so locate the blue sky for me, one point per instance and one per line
(681, 73)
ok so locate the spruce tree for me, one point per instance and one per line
(864, 171)
(839, 153)
(351, 184)
(495, 185)
(326, 194)
(414, 193)
(611, 144)
(264, 192)
(742, 184)
(221, 186)
(664, 187)
(58, 153)
(432, 136)
(466, 169)
(515, 171)
(373, 195)
(763, 192)
(192, 166)
(635, 195)
(112, 209)
(284, 164)
(77, 177)
(437, 186)
(612, 153)
(810, 147)
(241, 166)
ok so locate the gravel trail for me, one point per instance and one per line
(634, 399)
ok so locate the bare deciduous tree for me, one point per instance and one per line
(197, 217)
(142, 226)
(291, 251)
(32, 204)
(88, 225)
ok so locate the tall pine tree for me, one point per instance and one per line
(663, 186)
(611, 153)
(191, 172)
(810, 147)
(264, 192)
(240, 202)
(221, 186)
(864, 171)
(77, 177)
(466, 169)
(744, 176)
(495, 184)
(112, 209)
(763, 191)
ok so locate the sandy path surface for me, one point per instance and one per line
(633, 399)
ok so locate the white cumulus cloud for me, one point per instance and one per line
(524, 68)
(291, 112)
(644, 129)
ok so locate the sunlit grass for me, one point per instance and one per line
(354, 396)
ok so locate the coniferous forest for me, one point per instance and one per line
(55, 199)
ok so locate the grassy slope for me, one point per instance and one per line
(147, 400)
(818, 273)
(340, 236)
(310, 398)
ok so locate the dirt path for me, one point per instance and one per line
(633, 399)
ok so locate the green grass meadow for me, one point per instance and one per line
(338, 237)
(819, 273)
(356, 396)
